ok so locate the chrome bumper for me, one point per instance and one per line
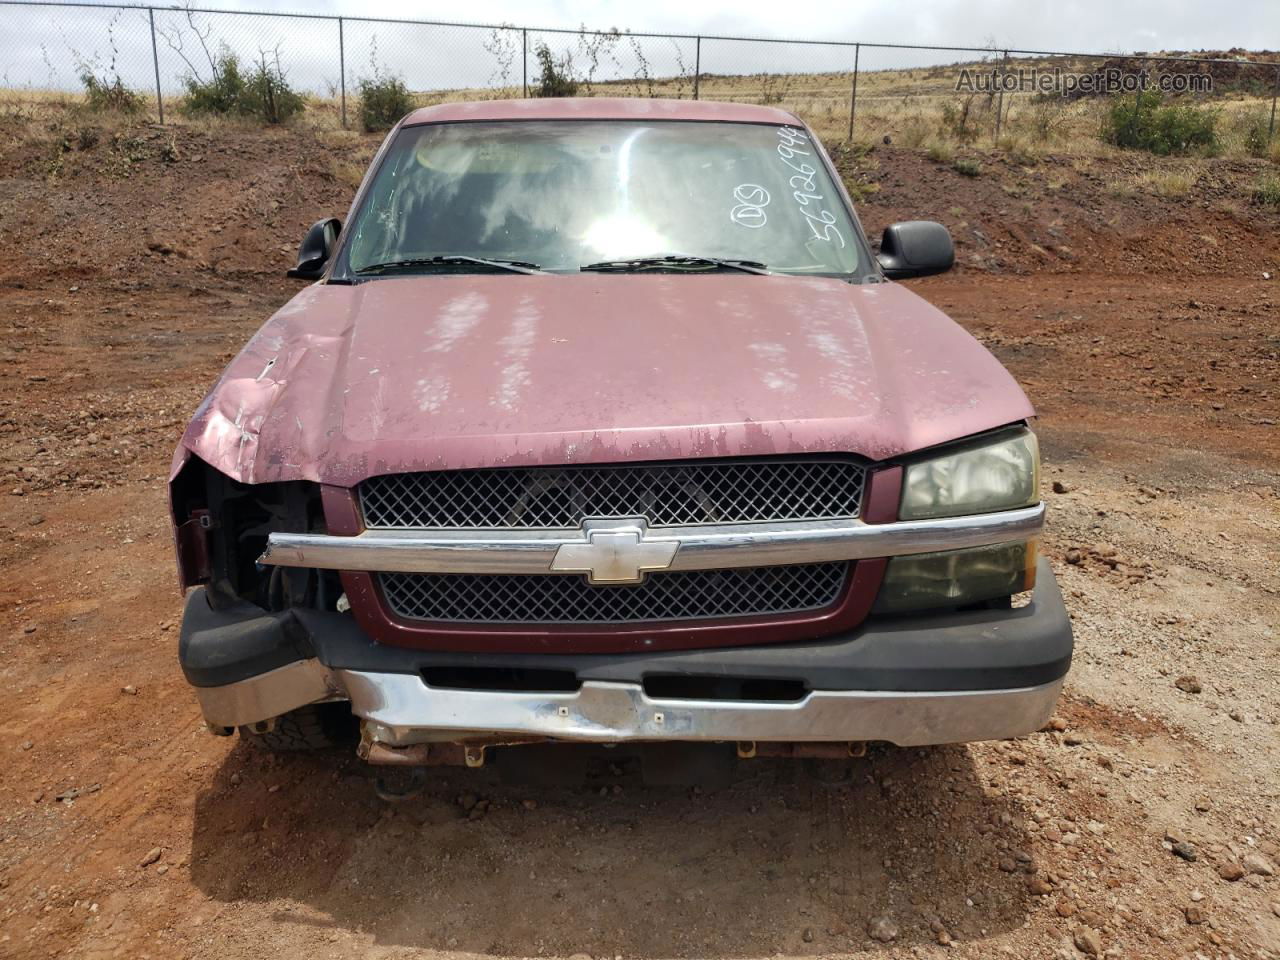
(400, 710)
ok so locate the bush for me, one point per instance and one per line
(967, 167)
(940, 152)
(103, 94)
(958, 120)
(555, 77)
(1144, 122)
(1267, 190)
(264, 93)
(1257, 135)
(383, 100)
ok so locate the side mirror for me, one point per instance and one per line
(317, 246)
(916, 248)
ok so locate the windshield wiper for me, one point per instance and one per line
(514, 266)
(675, 261)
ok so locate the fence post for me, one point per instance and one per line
(1275, 91)
(1004, 65)
(697, 64)
(524, 60)
(342, 71)
(853, 92)
(155, 62)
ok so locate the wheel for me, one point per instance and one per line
(317, 726)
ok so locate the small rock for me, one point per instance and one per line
(807, 935)
(152, 856)
(162, 869)
(235, 779)
(579, 956)
(1074, 557)
(1196, 896)
(1039, 886)
(530, 804)
(1088, 941)
(29, 628)
(1203, 806)
(1061, 486)
(1231, 871)
(1188, 684)
(1193, 914)
(1275, 908)
(1066, 908)
(467, 801)
(1073, 740)
(1058, 723)
(131, 690)
(882, 929)
(1185, 850)
(27, 744)
(1007, 865)
(1256, 863)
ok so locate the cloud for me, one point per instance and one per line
(41, 46)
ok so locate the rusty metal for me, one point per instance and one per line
(342, 70)
(471, 753)
(1275, 93)
(750, 749)
(697, 64)
(155, 63)
(853, 93)
(1004, 66)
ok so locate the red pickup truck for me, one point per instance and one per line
(602, 421)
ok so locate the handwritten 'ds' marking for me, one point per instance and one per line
(752, 199)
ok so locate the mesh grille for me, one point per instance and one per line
(664, 494)
(683, 595)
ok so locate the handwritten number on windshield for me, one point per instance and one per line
(793, 144)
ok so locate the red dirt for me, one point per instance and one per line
(1143, 330)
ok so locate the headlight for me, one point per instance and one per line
(957, 578)
(1000, 475)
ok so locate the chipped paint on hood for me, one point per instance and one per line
(453, 372)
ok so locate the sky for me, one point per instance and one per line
(39, 47)
(1085, 25)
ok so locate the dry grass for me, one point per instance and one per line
(915, 108)
(1177, 182)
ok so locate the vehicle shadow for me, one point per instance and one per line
(777, 860)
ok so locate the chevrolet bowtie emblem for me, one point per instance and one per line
(615, 551)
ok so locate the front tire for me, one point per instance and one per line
(317, 726)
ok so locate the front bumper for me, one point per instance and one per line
(940, 678)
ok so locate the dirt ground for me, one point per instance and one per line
(1143, 823)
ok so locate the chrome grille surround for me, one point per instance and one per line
(685, 595)
(663, 494)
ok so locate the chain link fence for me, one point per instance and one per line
(835, 86)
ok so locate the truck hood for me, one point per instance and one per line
(451, 372)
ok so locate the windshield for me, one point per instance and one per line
(570, 193)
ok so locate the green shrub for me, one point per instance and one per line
(1257, 135)
(383, 100)
(958, 120)
(102, 93)
(967, 167)
(268, 96)
(264, 93)
(1267, 190)
(1145, 122)
(555, 77)
(940, 152)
